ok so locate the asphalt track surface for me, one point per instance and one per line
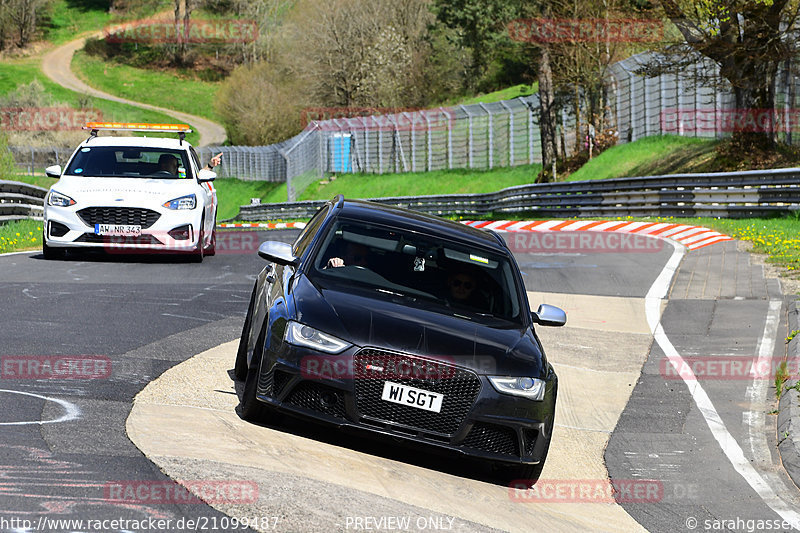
(64, 443)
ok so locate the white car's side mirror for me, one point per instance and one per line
(53, 171)
(206, 175)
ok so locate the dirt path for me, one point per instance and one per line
(56, 66)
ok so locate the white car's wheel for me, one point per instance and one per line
(49, 252)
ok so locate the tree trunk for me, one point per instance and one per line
(547, 116)
(577, 110)
(754, 117)
(178, 34)
(187, 13)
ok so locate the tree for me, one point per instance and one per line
(358, 53)
(19, 19)
(481, 26)
(748, 39)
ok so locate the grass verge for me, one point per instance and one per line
(69, 18)
(15, 73)
(503, 94)
(232, 193)
(651, 156)
(163, 89)
(20, 235)
(456, 181)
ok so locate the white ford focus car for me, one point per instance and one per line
(131, 194)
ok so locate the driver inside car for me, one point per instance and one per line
(168, 163)
(354, 255)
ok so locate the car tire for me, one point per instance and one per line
(528, 474)
(197, 254)
(48, 252)
(240, 368)
(212, 247)
(250, 407)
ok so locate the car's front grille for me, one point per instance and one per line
(119, 215)
(316, 397)
(492, 438)
(459, 386)
(117, 240)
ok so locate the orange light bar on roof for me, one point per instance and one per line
(138, 126)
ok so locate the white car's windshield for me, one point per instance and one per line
(130, 162)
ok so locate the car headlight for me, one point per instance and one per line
(532, 388)
(184, 202)
(59, 200)
(302, 335)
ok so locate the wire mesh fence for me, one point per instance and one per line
(693, 102)
(33, 160)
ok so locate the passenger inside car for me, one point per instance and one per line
(465, 289)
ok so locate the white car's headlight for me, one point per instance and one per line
(184, 202)
(302, 335)
(59, 200)
(532, 388)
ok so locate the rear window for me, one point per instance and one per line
(127, 162)
(452, 277)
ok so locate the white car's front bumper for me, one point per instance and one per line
(163, 234)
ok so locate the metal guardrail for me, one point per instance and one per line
(721, 194)
(20, 200)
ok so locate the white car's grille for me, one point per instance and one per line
(119, 215)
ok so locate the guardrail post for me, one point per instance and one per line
(510, 133)
(469, 137)
(429, 141)
(491, 136)
(380, 150)
(449, 143)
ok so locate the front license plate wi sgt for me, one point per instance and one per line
(118, 230)
(412, 396)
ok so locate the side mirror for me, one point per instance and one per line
(53, 172)
(277, 252)
(205, 175)
(549, 315)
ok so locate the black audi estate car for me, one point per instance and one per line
(404, 325)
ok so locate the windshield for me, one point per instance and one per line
(127, 162)
(455, 278)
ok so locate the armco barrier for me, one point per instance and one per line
(720, 194)
(20, 200)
